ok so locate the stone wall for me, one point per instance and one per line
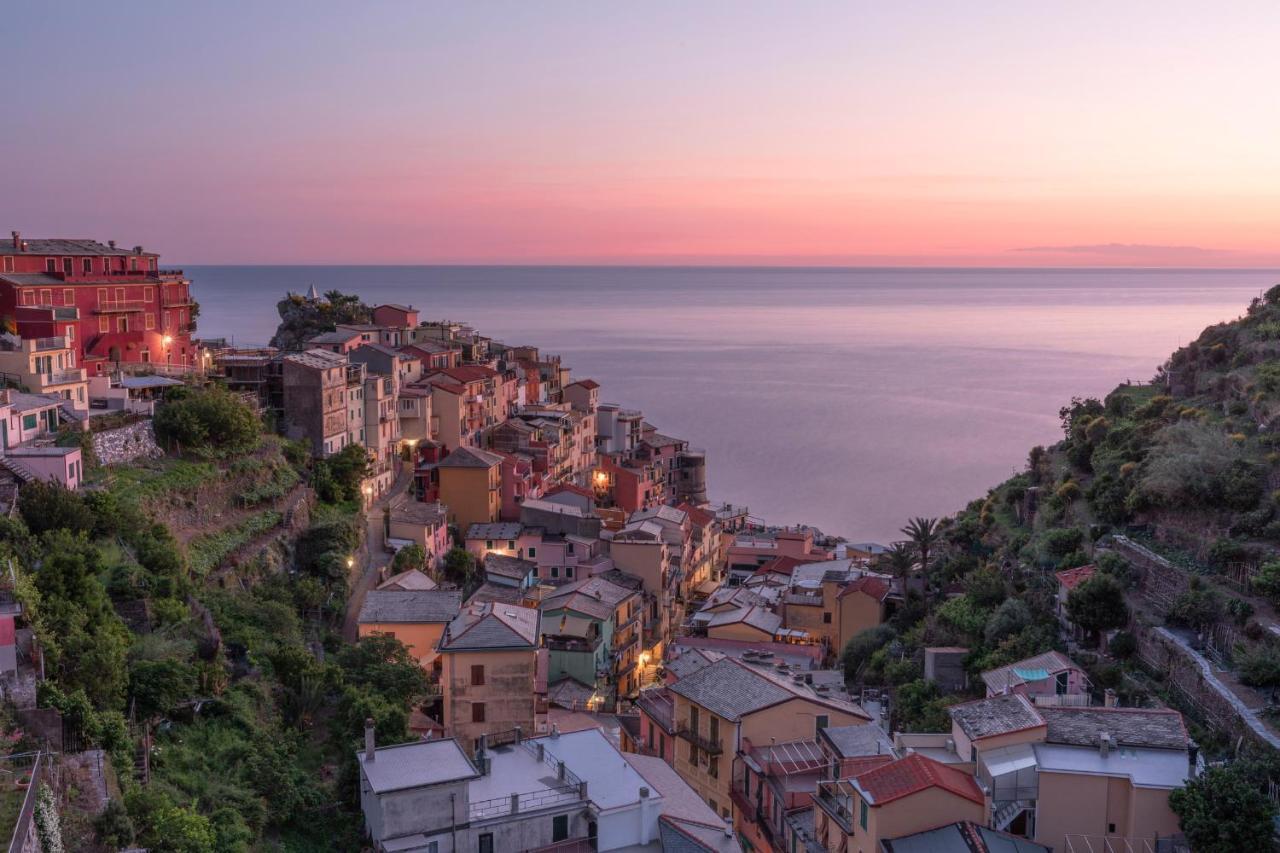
(135, 441)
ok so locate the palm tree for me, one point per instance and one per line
(924, 533)
(901, 559)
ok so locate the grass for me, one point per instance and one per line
(11, 798)
(206, 552)
(161, 477)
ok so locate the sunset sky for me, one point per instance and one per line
(996, 133)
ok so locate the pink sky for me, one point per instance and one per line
(718, 132)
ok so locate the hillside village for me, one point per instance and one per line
(391, 584)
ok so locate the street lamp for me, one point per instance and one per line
(166, 340)
(351, 562)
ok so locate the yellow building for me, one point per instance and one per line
(471, 486)
(416, 618)
(726, 705)
(900, 798)
(490, 672)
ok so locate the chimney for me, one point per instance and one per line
(518, 734)
(111, 244)
(542, 751)
(369, 744)
(1104, 744)
(560, 770)
(1109, 698)
(137, 250)
(555, 730)
(17, 240)
(582, 790)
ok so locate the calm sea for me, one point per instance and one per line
(845, 398)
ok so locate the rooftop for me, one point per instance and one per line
(410, 606)
(411, 580)
(490, 625)
(500, 565)
(857, 741)
(1158, 728)
(1072, 578)
(732, 689)
(413, 765)
(911, 775)
(1146, 768)
(507, 530)
(470, 457)
(961, 837)
(594, 596)
(67, 246)
(1006, 677)
(418, 512)
(997, 715)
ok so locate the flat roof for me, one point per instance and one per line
(611, 780)
(414, 765)
(1147, 768)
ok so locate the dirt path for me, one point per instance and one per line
(373, 554)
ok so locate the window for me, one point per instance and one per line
(862, 813)
(151, 321)
(434, 846)
(122, 323)
(821, 721)
(104, 323)
(713, 724)
(28, 297)
(133, 265)
(106, 265)
(555, 571)
(477, 674)
(8, 263)
(486, 842)
(28, 422)
(559, 827)
(533, 552)
(86, 265)
(693, 719)
(488, 544)
(713, 805)
(148, 293)
(713, 768)
(662, 744)
(568, 571)
(68, 297)
(477, 712)
(649, 739)
(693, 755)
(50, 265)
(568, 548)
(511, 545)
(46, 297)
(68, 266)
(826, 618)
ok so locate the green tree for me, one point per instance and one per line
(899, 559)
(411, 556)
(46, 505)
(1223, 810)
(919, 706)
(338, 477)
(861, 646)
(924, 533)
(1098, 605)
(158, 686)
(985, 586)
(1010, 617)
(208, 417)
(459, 566)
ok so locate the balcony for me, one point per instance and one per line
(46, 344)
(711, 747)
(120, 306)
(61, 377)
(184, 301)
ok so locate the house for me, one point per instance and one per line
(583, 395)
(565, 791)
(944, 666)
(508, 571)
(33, 416)
(1047, 678)
(340, 341)
(899, 798)
(727, 702)
(508, 538)
(423, 524)
(963, 836)
(490, 657)
(416, 618)
(470, 486)
(1053, 771)
(411, 580)
(395, 316)
(315, 400)
(44, 366)
(122, 392)
(115, 307)
(591, 630)
(657, 737)
(1069, 579)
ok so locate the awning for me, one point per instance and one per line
(1009, 759)
(1031, 674)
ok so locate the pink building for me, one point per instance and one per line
(1043, 679)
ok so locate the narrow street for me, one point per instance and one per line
(373, 555)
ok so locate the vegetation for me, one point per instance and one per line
(1224, 811)
(210, 419)
(302, 319)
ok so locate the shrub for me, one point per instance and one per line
(338, 477)
(208, 418)
(1259, 667)
(46, 506)
(1056, 544)
(1196, 608)
(1123, 645)
(861, 646)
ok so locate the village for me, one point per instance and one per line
(615, 661)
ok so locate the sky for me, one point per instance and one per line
(1013, 133)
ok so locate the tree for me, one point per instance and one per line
(411, 556)
(1010, 617)
(158, 686)
(48, 506)
(985, 586)
(861, 646)
(1224, 811)
(212, 417)
(924, 533)
(919, 706)
(1098, 605)
(338, 477)
(1198, 607)
(900, 559)
(459, 566)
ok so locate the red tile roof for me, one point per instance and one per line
(702, 518)
(914, 774)
(589, 384)
(1072, 578)
(468, 372)
(877, 588)
(572, 489)
(784, 565)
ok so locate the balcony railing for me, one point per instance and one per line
(61, 377)
(45, 344)
(703, 743)
(109, 306)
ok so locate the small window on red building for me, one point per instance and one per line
(8, 263)
(68, 265)
(68, 297)
(50, 265)
(477, 712)
(86, 265)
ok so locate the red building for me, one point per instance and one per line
(113, 305)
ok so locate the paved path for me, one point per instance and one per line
(373, 554)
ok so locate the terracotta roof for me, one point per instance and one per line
(589, 384)
(877, 588)
(468, 373)
(1072, 578)
(911, 775)
(572, 489)
(699, 517)
(469, 457)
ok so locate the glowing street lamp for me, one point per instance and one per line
(351, 562)
(166, 340)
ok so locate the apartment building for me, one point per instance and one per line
(416, 618)
(591, 630)
(44, 366)
(315, 400)
(470, 485)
